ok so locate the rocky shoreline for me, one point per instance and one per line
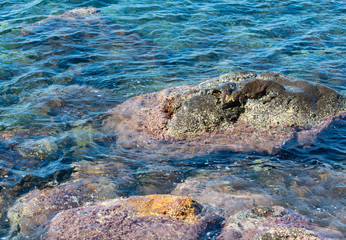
(234, 112)
(239, 111)
(73, 210)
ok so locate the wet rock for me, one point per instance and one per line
(59, 115)
(110, 168)
(238, 112)
(31, 212)
(182, 208)
(11, 136)
(273, 223)
(58, 105)
(225, 194)
(144, 217)
(86, 169)
(67, 104)
(86, 29)
(288, 233)
(38, 149)
(88, 14)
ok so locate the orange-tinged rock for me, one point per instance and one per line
(138, 217)
(182, 208)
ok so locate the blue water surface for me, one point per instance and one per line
(58, 78)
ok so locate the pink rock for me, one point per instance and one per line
(145, 217)
(31, 212)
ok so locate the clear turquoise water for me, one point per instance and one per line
(143, 46)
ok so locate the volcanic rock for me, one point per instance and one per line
(238, 111)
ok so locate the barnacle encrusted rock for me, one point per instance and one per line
(237, 111)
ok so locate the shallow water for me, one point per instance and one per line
(59, 78)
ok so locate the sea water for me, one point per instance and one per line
(58, 79)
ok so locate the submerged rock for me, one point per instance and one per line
(31, 212)
(85, 14)
(58, 115)
(273, 223)
(144, 217)
(81, 31)
(38, 149)
(239, 112)
(224, 194)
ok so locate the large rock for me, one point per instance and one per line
(275, 222)
(239, 112)
(143, 217)
(30, 214)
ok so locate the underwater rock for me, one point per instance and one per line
(31, 212)
(58, 115)
(225, 194)
(67, 104)
(288, 233)
(142, 217)
(273, 223)
(238, 111)
(109, 168)
(82, 31)
(61, 105)
(38, 149)
(87, 14)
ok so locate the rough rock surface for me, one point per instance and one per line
(239, 112)
(273, 223)
(145, 217)
(32, 212)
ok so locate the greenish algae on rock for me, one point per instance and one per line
(238, 111)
